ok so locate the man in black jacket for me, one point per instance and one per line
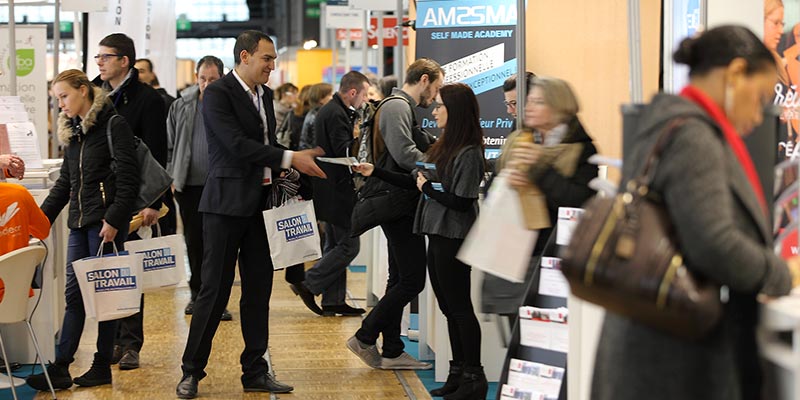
(333, 201)
(143, 109)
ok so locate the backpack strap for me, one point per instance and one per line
(377, 137)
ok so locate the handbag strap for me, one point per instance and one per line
(645, 177)
(111, 142)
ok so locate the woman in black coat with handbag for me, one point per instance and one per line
(101, 202)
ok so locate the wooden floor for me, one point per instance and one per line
(307, 351)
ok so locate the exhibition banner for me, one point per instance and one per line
(782, 38)
(31, 43)
(160, 48)
(123, 16)
(474, 41)
(151, 24)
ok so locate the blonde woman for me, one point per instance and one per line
(100, 202)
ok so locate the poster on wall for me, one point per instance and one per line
(31, 50)
(685, 18)
(474, 41)
(782, 38)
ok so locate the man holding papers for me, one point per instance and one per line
(334, 199)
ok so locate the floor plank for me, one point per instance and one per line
(307, 352)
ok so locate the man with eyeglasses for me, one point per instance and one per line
(143, 109)
(510, 95)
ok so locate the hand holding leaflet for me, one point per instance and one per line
(346, 161)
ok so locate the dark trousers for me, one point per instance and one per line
(225, 238)
(295, 274)
(189, 200)
(329, 275)
(451, 281)
(169, 222)
(82, 243)
(406, 280)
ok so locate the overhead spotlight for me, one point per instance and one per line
(310, 44)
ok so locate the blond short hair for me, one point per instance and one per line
(558, 94)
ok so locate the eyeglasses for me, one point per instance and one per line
(512, 103)
(106, 56)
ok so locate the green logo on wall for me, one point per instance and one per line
(25, 61)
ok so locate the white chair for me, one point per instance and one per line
(16, 271)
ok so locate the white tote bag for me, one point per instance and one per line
(163, 263)
(293, 233)
(110, 285)
(498, 242)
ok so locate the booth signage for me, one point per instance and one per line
(474, 41)
(377, 5)
(31, 46)
(343, 17)
(389, 32)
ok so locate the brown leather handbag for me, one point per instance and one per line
(624, 256)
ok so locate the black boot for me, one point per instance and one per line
(473, 385)
(59, 376)
(98, 374)
(453, 380)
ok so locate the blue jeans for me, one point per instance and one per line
(82, 243)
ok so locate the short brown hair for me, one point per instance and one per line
(423, 66)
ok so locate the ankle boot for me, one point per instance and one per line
(473, 385)
(453, 380)
(98, 374)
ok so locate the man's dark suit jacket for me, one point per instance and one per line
(236, 149)
(335, 196)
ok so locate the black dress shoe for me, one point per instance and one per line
(301, 290)
(266, 383)
(226, 316)
(129, 361)
(189, 310)
(187, 388)
(118, 352)
(342, 309)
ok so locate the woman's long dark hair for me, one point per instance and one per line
(463, 127)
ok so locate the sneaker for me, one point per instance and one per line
(96, 375)
(59, 376)
(129, 361)
(266, 383)
(343, 310)
(404, 361)
(367, 353)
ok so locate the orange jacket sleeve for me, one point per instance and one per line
(39, 224)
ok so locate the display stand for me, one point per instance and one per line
(518, 351)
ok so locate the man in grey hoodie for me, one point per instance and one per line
(406, 144)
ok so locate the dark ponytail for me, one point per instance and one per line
(719, 46)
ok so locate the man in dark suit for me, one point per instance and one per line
(334, 199)
(243, 159)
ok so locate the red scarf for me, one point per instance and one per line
(731, 136)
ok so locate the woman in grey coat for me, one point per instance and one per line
(709, 186)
